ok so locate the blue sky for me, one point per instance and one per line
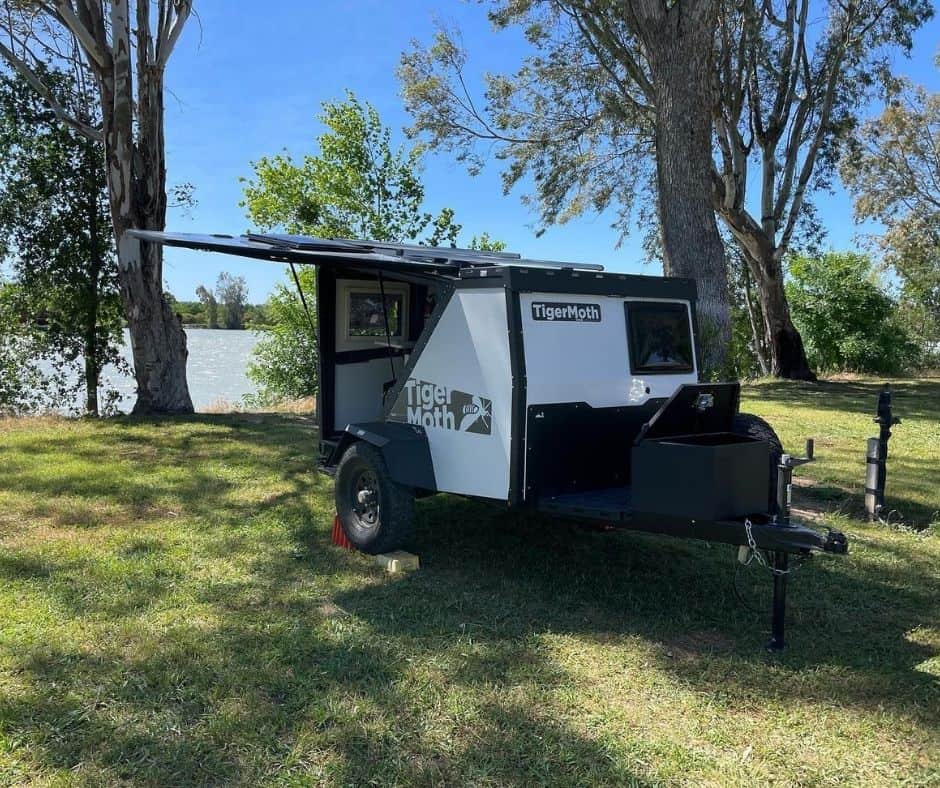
(247, 83)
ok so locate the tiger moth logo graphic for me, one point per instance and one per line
(432, 405)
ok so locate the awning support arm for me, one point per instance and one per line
(388, 332)
(303, 302)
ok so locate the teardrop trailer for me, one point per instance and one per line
(554, 386)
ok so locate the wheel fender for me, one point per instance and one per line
(404, 447)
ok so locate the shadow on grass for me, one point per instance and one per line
(107, 484)
(508, 576)
(270, 677)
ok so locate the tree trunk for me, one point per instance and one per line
(91, 379)
(760, 344)
(136, 174)
(158, 341)
(678, 45)
(787, 355)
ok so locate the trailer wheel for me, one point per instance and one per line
(376, 513)
(755, 427)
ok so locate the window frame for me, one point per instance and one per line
(658, 306)
(372, 288)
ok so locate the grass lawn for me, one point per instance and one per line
(171, 612)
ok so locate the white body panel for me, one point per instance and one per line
(574, 361)
(358, 390)
(463, 370)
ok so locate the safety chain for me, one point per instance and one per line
(756, 553)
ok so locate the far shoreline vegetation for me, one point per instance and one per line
(225, 306)
(193, 314)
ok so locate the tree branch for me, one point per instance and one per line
(23, 68)
(97, 55)
(170, 31)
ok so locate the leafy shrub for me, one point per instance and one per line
(847, 320)
(284, 362)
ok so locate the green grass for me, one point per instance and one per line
(171, 613)
(840, 418)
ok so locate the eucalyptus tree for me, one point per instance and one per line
(207, 297)
(126, 47)
(232, 292)
(607, 86)
(893, 171)
(789, 79)
(708, 91)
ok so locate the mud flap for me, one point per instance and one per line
(404, 447)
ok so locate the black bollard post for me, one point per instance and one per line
(877, 457)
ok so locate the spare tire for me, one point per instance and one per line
(755, 427)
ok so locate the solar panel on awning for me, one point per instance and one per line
(306, 251)
(384, 255)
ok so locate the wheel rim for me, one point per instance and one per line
(365, 495)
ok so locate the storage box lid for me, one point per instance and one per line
(693, 409)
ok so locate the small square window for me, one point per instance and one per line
(660, 338)
(366, 318)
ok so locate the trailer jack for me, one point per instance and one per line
(780, 563)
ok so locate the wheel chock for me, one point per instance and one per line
(338, 536)
(399, 561)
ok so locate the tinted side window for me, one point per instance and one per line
(660, 338)
(366, 318)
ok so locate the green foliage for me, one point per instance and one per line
(55, 230)
(257, 317)
(483, 243)
(357, 186)
(284, 362)
(199, 314)
(848, 321)
(743, 362)
(209, 305)
(893, 170)
(24, 385)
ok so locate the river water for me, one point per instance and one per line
(216, 370)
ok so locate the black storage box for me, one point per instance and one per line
(709, 476)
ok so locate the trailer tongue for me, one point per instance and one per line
(693, 477)
(555, 386)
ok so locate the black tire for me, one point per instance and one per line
(376, 513)
(755, 427)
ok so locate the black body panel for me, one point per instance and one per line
(326, 322)
(710, 476)
(518, 436)
(404, 448)
(574, 448)
(692, 409)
